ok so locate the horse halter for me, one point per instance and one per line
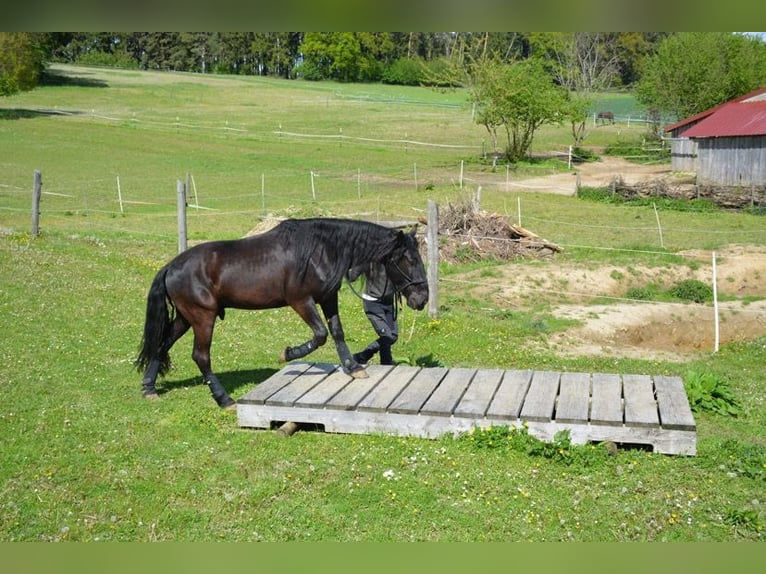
(409, 280)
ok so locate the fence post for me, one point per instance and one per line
(181, 188)
(37, 190)
(432, 243)
(715, 304)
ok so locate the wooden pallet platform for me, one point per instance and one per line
(430, 402)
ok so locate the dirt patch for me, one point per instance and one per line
(631, 328)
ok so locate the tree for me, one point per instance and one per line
(22, 61)
(694, 71)
(519, 98)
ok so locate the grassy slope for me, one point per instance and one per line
(85, 458)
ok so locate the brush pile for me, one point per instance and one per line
(469, 234)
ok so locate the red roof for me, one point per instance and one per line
(742, 116)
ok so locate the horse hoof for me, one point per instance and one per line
(359, 374)
(283, 356)
(151, 396)
(231, 407)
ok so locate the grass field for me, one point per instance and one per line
(85, 458)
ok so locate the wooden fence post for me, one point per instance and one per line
(181, 188)
(37, 190)
(432, 242)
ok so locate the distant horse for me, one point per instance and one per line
(605, 116)
(300, 263)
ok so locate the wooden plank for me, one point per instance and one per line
(509, 397)
(640, 406)
(288, 394)
(606, 399)
(446, 396)
(675, 412)
(479, 393)
(574, 398)
(350, 396)
(327, 388)
(414, 395)
(541, 397)
(274, 383)
(384, 393)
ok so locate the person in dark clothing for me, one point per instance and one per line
(379, 306)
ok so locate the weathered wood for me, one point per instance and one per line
(327, 388)
(287, 395)
(510, 395)
(416, 393)
(606, 399)
(675, 412)
(430, 402)
(351, 395)
(446, 396)
(274, 383)
(288, 429)
(383, 394)
(574, 398)
(478, 395)
(640, 405)
(541, 397)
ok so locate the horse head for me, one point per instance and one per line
(406, 270)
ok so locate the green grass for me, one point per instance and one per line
(86, 458)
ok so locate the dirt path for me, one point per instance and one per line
(593, 174)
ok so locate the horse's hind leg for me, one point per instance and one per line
(178, 328)
(203, 337)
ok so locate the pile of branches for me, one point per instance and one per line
(469, 234)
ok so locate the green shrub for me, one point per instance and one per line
(641, 293)
(404, 71)
(707, 392)
(692, 290)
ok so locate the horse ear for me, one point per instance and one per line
(414, 230)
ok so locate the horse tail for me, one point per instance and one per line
(157, 327)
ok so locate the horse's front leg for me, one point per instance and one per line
(308, 312)
(350, 366)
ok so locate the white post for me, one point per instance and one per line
(181, 190)
(432, 244)
(518, 203)
(37, 191)
(659, 227)
(263, 193)
(715, 304)
(416, 176)
(119, 195)
(359, 183)
(569, 162)
(194, 187)
(461, 174)
(313, 189)
(507, 177)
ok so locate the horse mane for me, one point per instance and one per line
(343, 244)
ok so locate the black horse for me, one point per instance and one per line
(300, 263)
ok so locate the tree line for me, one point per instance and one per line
(342, 56)
(518, 81)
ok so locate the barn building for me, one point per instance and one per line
(726, 145)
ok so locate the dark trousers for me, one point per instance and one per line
(382, 317)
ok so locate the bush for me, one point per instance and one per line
(692, 290)
(404, 71)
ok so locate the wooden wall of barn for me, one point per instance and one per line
(739, 161)
(683, 155)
